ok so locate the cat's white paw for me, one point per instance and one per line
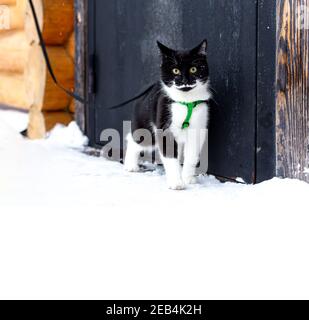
(131, 167)
(176, 185)
(190, 180)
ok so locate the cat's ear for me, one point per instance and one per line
(165, 51)
(201, 49)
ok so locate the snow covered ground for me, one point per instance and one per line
(75, 226)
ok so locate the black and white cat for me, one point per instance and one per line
(175, 112)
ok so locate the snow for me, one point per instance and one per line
(69, 136)
(18, 120)
(74, 226)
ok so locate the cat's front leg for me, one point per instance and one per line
(169, 150)
(132, 155)
(173, 173)
(193, 146)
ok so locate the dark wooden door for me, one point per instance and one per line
(123, 36)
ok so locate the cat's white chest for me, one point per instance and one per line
(198, 120)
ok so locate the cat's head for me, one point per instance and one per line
(184, 70)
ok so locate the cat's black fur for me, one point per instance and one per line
(153, 109)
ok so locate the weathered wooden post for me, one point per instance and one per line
(81, 18)
(292, 89)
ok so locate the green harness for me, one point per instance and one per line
(190, 106)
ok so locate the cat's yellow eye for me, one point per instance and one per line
(176, 71)
(193, 70)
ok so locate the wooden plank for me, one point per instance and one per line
(56, 99)
(58, 21)
(57, 117)
(292, 89)
(81, 18)
(266, 93)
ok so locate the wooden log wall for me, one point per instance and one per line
(22, 68)
(24, 82)
(292, 110)
(58, 33)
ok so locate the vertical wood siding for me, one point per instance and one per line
(292, 89)
(80, 60)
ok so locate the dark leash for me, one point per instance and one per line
(74, 95)
(133, 99)
(47, 60)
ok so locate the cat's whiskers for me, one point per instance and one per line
(199, 92)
